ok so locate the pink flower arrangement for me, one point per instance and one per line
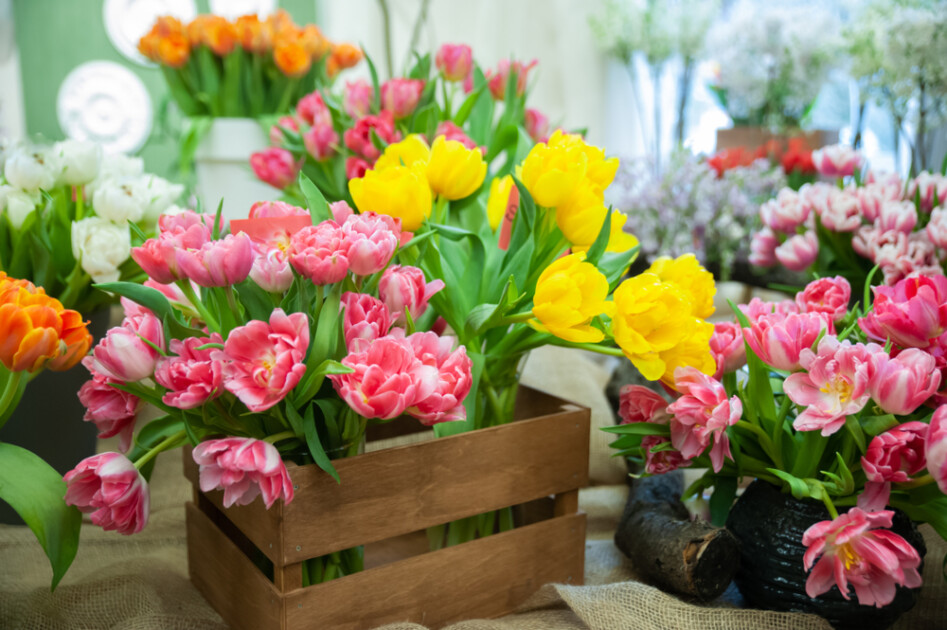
(357, 98)
(111, 490)
(275, 166)
(320, 253)
(359, 138)
(903, 382)
(726, 345)
(893, 456)
(829, 296)
(935, 448)
(401, 96)
(365, 318)
(454, 61)
(838, 160)
(112, 410)
(537, 124)
(244, 468)
(798, 252)
(779, 340)
(497, 80)
(640, 404)
(405, 290)
(191, 376)
(701, 414)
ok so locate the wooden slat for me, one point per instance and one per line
(483, 578)
(399, 490)
(566, 503)
(227, 579)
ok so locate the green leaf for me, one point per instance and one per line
(312, 436)
(856, 431)
(314, 379)
(798, 487)
(876, 425)
(318, 206)
(932, 512)
(376, 92)
(35, 491)
(463, 113)
(725, 489)
(145, 296)
(638, 428)
(601, 241)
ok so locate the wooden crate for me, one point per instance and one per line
(385, 501)
(753, 137)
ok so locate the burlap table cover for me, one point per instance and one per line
(140, 583)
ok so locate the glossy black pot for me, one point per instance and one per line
(769, 525)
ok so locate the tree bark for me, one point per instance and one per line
(674, 553)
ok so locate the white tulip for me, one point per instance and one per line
(32, 169)
(17, 204)
(80, 161)
(157, 194)
(117, 201)
(101, 247)
(116, 166)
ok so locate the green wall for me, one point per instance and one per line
(55, 36)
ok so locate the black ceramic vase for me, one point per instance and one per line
(48, 420)
(769, 525)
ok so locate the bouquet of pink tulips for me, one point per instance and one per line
(278, 341)
(840, 405)
(867, 219)
(335, 138)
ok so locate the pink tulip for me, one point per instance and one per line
(189, 228)
(388, 378)
(857, 550)
(124, 355)
(173, 293)
(537, 124)
(784, 213)
(778, 340)
(726, 344)
(340, 211)
(834, 385)
(357, 98)
(763, 248)
(358, 138)
(661, 462)
(156, 257)
(839, 211)
(319, 252)
(401, 96)
(497, 81)
(930, 187)
(277, 137)
(826, 295)
(271, 271)
(885, 183)
(263, 362)
(274, 209)
(275, 166)
(937, 228)
(218, 263)
(356, 167)
(321, 142)
(870, 200)
(111, 410)
(243, 468)
(404, 288)
(450, 131)
(366, 318)
(935, 448)
(313, 111)
(892, 457)
(910, 313)
(370, 241)
(191, 376)
(110, 488)
(920, 258)
(701, 413)
(880, 247)
(815, 196)
(756, 308)
(446, 402)
(897, 215)
(798, 252)
(838, 160)
(902, 383)
(641, 404)
(455, 61)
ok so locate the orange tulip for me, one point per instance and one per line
(36, 331)
(291, 58)
(250, 34)
(219, 35)
(195, 30)
(343, 56)
(280, 22)
(164, 27)
(173, 50)
(314, 42)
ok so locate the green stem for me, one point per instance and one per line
(283, 105)
(80, 201)
(231, 300)
(829, 505)
(191, 295)
(918, 482)
(440, 206)
(10, 389)
(518, 318)
(765, 441)
(163, 445)
(285, 435)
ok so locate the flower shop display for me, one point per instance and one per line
(38, 333)
(771, 62)
(230, 79)
(658, 32)
(335, 137)
(868, 219)
(897, 57)
(65, 211)
(836, 412)
(705, 206)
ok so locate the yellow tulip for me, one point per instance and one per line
(552, 174)
(570, 293)
(618, 239)
(600, 171)
(405, 153)
(580, 217)
(691, 351)
(455, 171)
(398, 191)
(687, 273)
(500, 189)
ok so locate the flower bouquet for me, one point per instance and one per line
(335, 138)
(866, 220)
(37, 333)
(65, 217)
(245, 68)
(829, 404)
(795, 160)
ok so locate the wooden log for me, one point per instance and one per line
(668, 549)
